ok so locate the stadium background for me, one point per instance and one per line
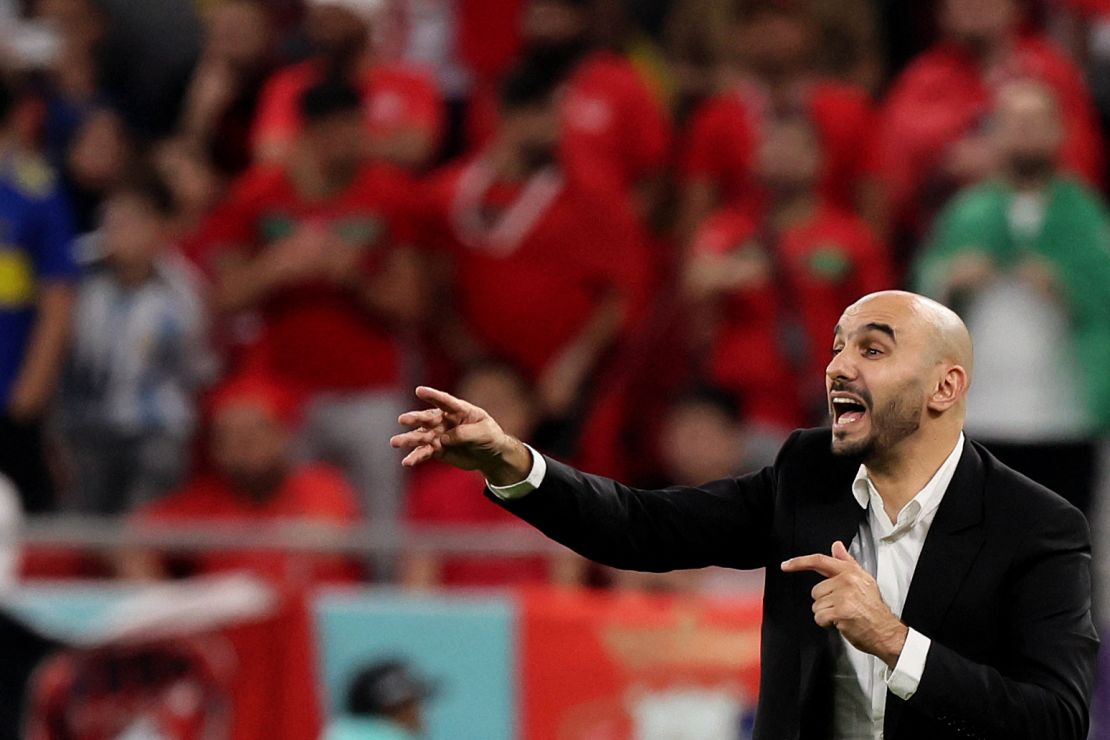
(235, 234)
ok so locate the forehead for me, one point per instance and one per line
(898, 315)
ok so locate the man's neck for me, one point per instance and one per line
(900, 475)
(792, 210)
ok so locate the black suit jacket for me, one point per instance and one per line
(1002, 587)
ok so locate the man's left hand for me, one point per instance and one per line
(849, 600)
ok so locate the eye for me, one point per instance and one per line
(872, 352)
(836, 351)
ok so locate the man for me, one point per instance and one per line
(778, 279)
(37, 272)
(930, 132)
(959, 589)
(254, 482)
(402, 110)
(318, 247)
(1033, 244)
(385, 701)
(527, 240)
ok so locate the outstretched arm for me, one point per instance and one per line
(727, 522)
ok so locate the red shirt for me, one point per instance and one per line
(615, 130)
(822, 266)
(527, 286)
(944, 95)
(445, 496)
(313, 493)
(396, 97)
(318, 335)
(725, 132)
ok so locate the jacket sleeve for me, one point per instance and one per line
(1043, 691)
(726, 522)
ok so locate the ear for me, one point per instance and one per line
(950, 389)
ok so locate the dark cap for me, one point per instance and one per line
(386, 686)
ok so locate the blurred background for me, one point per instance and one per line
(235, 234)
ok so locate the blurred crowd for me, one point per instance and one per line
(235, 234)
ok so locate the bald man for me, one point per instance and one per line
(915, 587)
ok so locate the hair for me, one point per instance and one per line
(7, 99)
(147, 185)
(713, 397)
(331, 96)
(532, 83)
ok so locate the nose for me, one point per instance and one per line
(841, 366)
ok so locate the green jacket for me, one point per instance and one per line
(1074, 238)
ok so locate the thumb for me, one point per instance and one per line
(840, 552)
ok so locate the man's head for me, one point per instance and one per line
(775, 43)
(249, 441)
(979, 26)
(340, 30)
(136, 221)
(701, 438)
(1027, 130)
(334, 128)
(502, 390)
(388, 689)
(529, 125)
(556, 24)
(789, 158)
(239, 32)
(901, 367)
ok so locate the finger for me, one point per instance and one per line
(424, 417)
(823, 564)
(824, 588)
(826, 617)
(419, 455)
(443, 400)
(414, 438)
(840, 552)
(825, 603)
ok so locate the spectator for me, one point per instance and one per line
(778, 283)
(223, 94)
(443, 495)
(528, 242)
(931, 135)
(253, 483)
(100, 155)
(1025, 258)
(197, 187)
(704, 438)
(770, 75)
(37, 272)
(138, 357)
(318, 247)
(385, 701)
(403, 115)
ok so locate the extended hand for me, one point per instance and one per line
(463, 435)
(849, 600)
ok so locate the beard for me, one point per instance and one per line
(1031, 166)
(891, 423)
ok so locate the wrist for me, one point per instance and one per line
(893, 650)
(511, 465)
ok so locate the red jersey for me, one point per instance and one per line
(313, 493)
(725, 133)
(821, 266)
(445, 496)
(396, 98)
(944, 95)
(534, 260)
(318, 335)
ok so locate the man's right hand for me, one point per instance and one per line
(463, 435)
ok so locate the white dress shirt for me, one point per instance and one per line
(889, 552)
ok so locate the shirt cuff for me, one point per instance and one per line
(526, 486)
(907, 672)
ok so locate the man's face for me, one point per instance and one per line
(978, 24)
(877, 379)
(789, 159)
(1027, 130)
(775, 46)
(551, 23)
(339, 143)
(248, 445)
(533, 132)
(132, 230)
(336, 32)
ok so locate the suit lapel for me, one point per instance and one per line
(950, 549)
(831, 516)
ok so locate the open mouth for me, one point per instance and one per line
(847, 410)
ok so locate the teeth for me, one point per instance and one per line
(846, 400)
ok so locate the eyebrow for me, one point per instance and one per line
(873, 326)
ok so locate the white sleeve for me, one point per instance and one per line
(530, 483)
(907, 671)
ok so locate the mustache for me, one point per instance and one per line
(843, 387)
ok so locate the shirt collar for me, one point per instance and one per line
(928, 498)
